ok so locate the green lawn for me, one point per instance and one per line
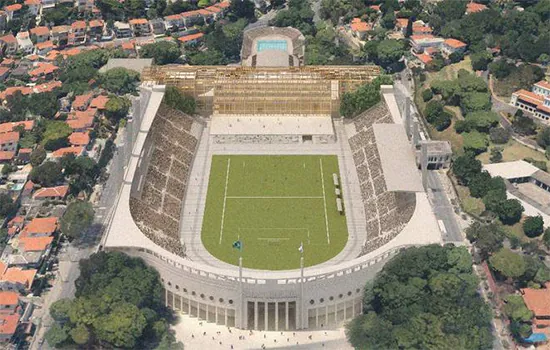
(273, 204)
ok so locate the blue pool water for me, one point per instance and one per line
(272, 45)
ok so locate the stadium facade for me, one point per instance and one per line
(161, 204)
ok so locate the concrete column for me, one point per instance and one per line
(276, 316)
(336, 312)
(206, 312)
(181, 303)
(173, 301)
(225, 316)
(216, 310)
(198, 309)
(286, 315)
(326, 315)
(353, 307)
(317, 317)
(415, 134)
(165, 297)
(256, 315)
(407, 112)
(266, 314)
(424, 165)
(189, 306)
(344, 309)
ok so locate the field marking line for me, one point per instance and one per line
(273, 238)
(275, 197)
(324, 198)
(225, 198)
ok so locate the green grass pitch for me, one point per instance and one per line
(273, 204)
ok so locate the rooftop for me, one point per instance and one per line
(57, 191)
(538, 300)
(456, 44)
(34, 244)
(9, 137)
(9, 298)
(79, 139)
(42, 226)
(511, 170)
(543, 84)
(76, 150)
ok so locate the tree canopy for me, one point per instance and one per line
(119, 81)
(425, 298)
(118, 303)
(162, 52)
(363, 98)
(508, 263)
(177, 100)
(77, 219)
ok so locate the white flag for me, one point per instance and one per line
(301, 248)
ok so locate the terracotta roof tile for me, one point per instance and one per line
(191, 37)
(138, 21)
(34, 244)
(10, 39)
(13, 8)
(68, 150)
(40, 226)
(40, 31)
(79, 139)
(57, 191)
(538, 300)
(12, 136)
(8, 323)
(6, 155)
(456, 44)
(530, 97)
(10, 126)
(9, 298)
(18, 275)
(473, 7)
(99, 102)
(543, 84)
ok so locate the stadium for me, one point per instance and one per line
(266, 210)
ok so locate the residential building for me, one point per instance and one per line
(60, 34)
(84, 5)
(423, 41)
(122, 30)
(6, 156)
(99, 102)
(39, 227)
(451, 46)
(191, 39)
(542, 88)
(51, 193)
(13, 11)
(40, 34)
(16, 278)
(95, 29)
(78, 31)
(8, 44)
(43, 48)
(424, 59)
(9, 302)
(79, 139)
(34, 244)
(8, 141)
(24, 43)
(8, 326)
(474, 7)
(4, 73)
(173, 22)
(43, 71)
(34, 6)
(538, 301)
(81, 102)
(48, 4)
(157, 26)
(538, 105)
(140, 27)
(75, 150)
(360, 28)
(24, 155)
(27, 125)
(191, 18)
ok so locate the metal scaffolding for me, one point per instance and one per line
(305, 90)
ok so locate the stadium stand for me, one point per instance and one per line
(386, 212)
(157, 206)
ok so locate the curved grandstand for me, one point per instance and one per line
(273, 47)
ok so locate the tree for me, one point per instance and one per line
(177, 100)
(44, 104)
(509, 211)
(516, 310)
(119, 81)
(55, 135)
(543, 138)
(404, 306)
(162, 52)
(499, 135)
(496, 155)
(77, 219)
(546, 237)
(37, 156)
(242, 9)
(482, 121)
(117, 108)
(47, 174)
(209, 57)
(488, 238)
(450, 10)
(507, 263)
(501, 68)
(122, 326)
(7, 206)
(363, 98)
(533, 226)
(475, 142)
(524, 125)
(475, 101)
(59, 310)
(390, 52)
(480, 60)
(427, 95)
(465, 167)
(80, 334)
(493, 198)
(481, 183)
(56, 335)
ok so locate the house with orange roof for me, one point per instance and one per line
(24, 155)
(8, 141)
(78, 31)
(9, 301)
(57, 193)
(191, 39)
(536, 101)
(129, 48)
(140, 27)
(13, 11)
(13, 89)
(60, 34)
(43, 48)
(360, 28)
(40, 34)
(191, 18)
(46, 87)
(34, 244)
(79, 138)
(75, 150)
(8, 44)
(34, 6)
(4, 72)
(217, 12)
(27, 125)
(173, 22)
(542, 88)
(451, 46)
(6, 156)
(43, 70)
(95, 28)
(122, 30)
(473, 7)
(8, 326)
(41, 227)
(16, 278)
(7, 62)
(538, 301)
(424, 59)
(24, 43)
(81, 121)
(99, 102)
(81, 102)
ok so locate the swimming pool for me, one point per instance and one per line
(272, 45)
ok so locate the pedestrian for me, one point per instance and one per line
(309, 337)
(213, 338)
(193, 336)
(231, 346)
(264, 336)
(287, 340)
(204, 333)
(220, 343)
(274, 340)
